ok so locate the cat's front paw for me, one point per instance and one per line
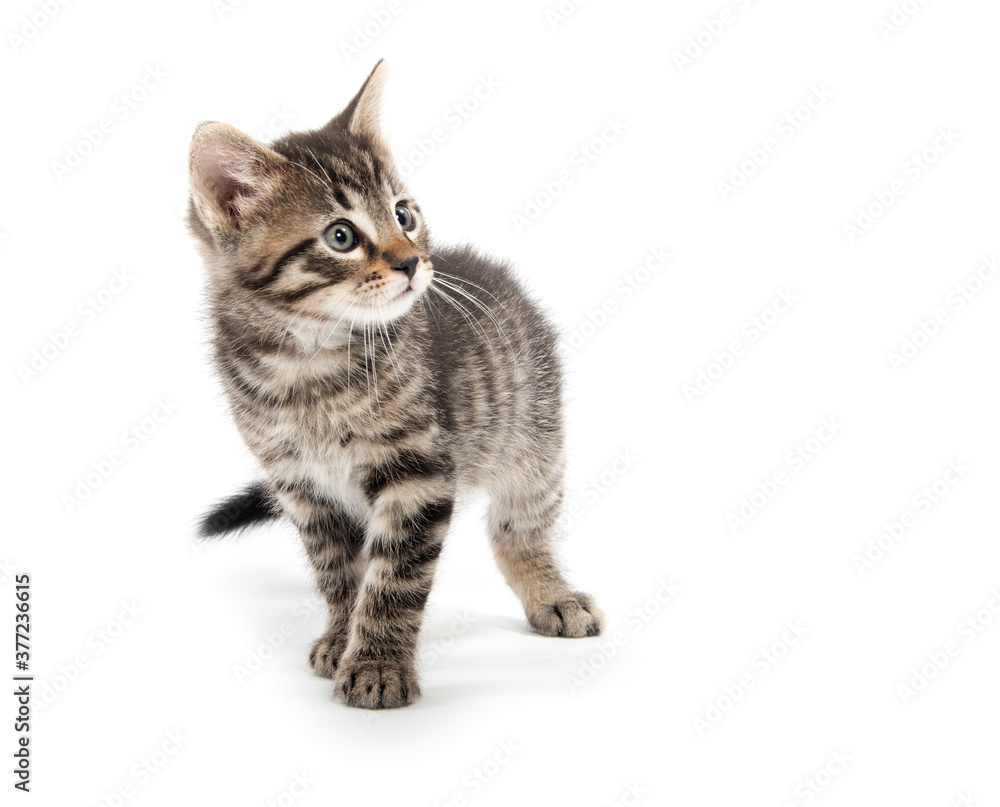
(574, 615)
(326, 652)
(376, 683)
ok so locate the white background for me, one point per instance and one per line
(108, 694)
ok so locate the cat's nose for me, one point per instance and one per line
(408, 265)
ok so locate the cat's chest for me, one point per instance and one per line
(333, 473)
(314, 451)
(309, 438)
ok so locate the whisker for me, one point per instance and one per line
(467, 315)
(325, 341)
(350, 338)
(375, 368)
(281, 342)
(368, 379)
(387, 341)
(465, 280)
(308, 171)
(322, 168)
(371, 376)
(482, 307)
(457, 286)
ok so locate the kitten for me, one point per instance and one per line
(375, 376)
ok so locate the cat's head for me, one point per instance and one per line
(316, 225)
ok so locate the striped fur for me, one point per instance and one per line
(375, 386)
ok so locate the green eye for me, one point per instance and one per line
(404, 217)
(340, 236)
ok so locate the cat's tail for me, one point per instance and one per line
(250, 506)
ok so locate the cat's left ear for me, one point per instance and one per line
(361, 117)
(231, 176)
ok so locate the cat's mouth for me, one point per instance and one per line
(388, 308)
(414, 287)
(392, 304)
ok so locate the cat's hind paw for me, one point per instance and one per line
(573, 615)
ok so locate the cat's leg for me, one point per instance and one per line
(522, 523)
(333, 541)
(412, 498)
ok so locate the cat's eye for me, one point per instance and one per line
(404, 217)
(340, 236)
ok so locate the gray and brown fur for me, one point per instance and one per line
(374, 386)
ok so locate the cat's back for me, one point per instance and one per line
(479, 293)
(494, 353)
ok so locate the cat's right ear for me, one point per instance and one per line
(361, 116)
(231, 174)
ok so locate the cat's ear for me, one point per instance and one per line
(361, 117)
(231, 174)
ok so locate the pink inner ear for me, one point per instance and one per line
(217, 166)
(214, 173)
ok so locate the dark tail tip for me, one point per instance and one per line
(250, 506)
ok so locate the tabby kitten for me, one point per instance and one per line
(376, 377)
